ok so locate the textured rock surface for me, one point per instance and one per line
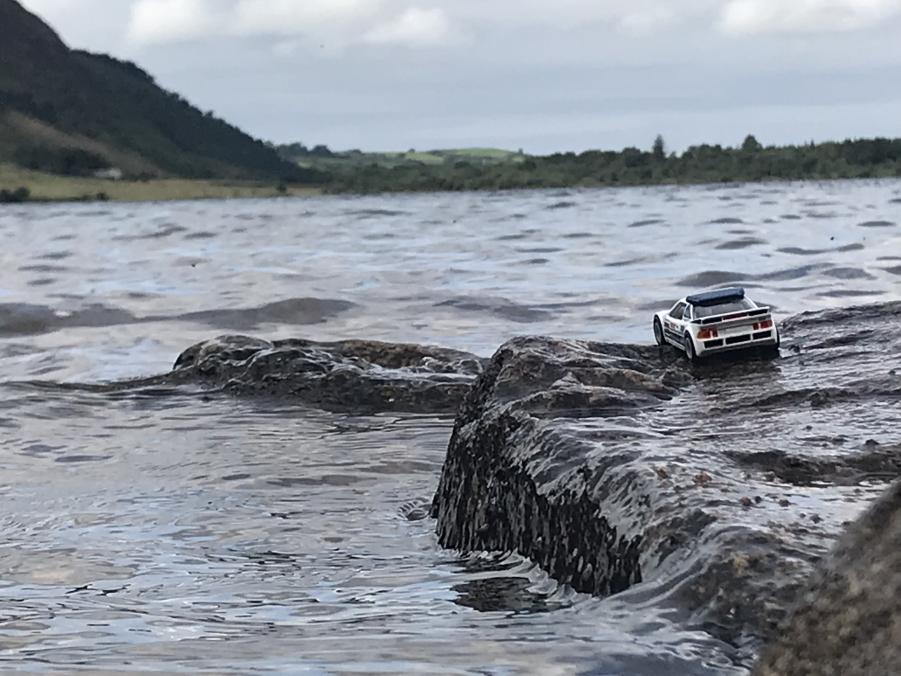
(849, 620)
(715, 487)
(361, 376)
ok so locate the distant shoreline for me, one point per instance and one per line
(19, 185)
(178, 190)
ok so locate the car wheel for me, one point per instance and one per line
(690, 348)
(658, 332)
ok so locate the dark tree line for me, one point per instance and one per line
(704, 163)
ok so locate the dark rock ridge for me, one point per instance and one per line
(849, 620)
(355, 375)
(712, 490)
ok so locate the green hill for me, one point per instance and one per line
(72, 112)
(320, 157)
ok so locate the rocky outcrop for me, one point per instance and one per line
(359, 376)
(849, 620)
(716, 487)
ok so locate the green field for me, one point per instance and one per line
(51, 187)
(352, 159)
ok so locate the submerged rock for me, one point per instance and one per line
(849, 620)
(356, 375)
(716, 488)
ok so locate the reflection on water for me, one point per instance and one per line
(175, 530)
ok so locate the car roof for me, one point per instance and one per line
(718, 297)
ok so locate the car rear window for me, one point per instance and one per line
(723, 309)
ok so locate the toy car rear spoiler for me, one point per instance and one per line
(733, 316)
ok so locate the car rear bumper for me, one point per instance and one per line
(737, 342)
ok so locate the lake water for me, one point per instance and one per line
(173, 531)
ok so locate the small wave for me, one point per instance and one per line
(798, 251)
(791, 273)
(876, 224)
(44, 269)
(627, 262)
(78, 459)
(202, 234)
(716, 277)
(712, 278)
(664, 304)
(848, 293)
(848, 273)
(646, 222)
(499, 307)
(29, 319)
(510, 217)
(56, 255)
(26, 318)
(741, 243)
(296, 311)
(561, 205)
(159, 234)
(539, 249)
(896, 270)
(376, 213)
(726, 221)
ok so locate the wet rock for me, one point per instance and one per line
(356, 375)
(618, 467)
(880, 463)
(848, 622)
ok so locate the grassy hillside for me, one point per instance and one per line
(323, 159)
(356, 171)
(72, 112)
(42, 186)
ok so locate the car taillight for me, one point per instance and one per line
(768, 324)
(707, 334)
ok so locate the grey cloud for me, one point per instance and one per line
(515, 74)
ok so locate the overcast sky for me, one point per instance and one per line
(543, 75)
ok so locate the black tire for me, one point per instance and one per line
(690, 348)
(658, 332)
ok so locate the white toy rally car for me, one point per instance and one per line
(716, 321)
